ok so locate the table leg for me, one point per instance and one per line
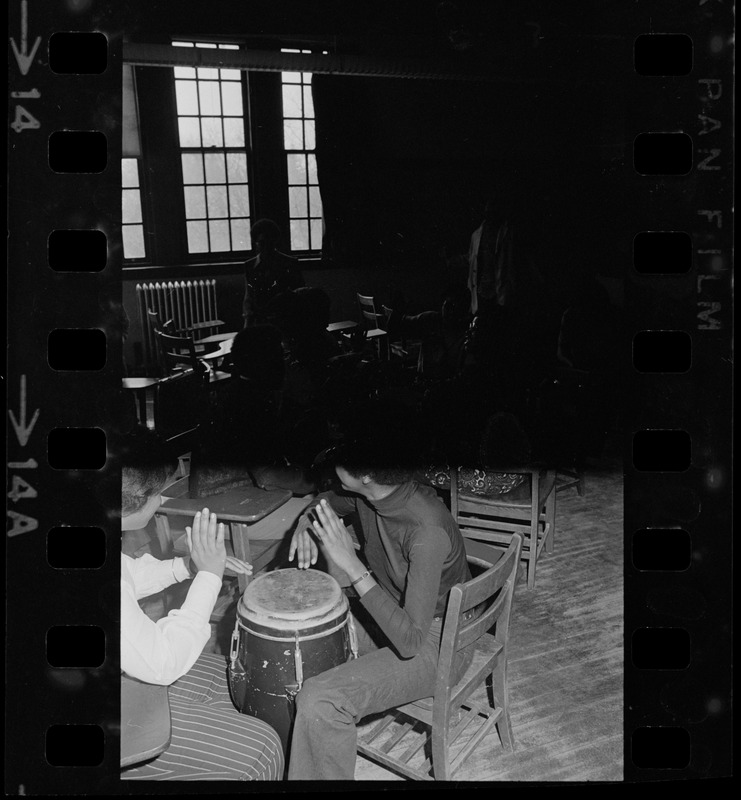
(241, 546)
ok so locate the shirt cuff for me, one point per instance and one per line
(180, 570)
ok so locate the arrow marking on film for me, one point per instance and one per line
(22, 56)
(22, 431)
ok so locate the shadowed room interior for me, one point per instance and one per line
(460, 165)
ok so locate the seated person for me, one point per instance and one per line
(442, 333)
(414, 554)
(302, 317)
(210, 739)
(269, 273)
(240, 441)
(503, 443)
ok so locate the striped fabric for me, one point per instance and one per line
(211, 740)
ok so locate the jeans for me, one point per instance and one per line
(328, 707)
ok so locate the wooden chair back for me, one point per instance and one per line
(179, 353)
(496, 518)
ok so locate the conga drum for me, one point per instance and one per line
(291, 624)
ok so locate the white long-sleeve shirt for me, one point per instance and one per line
(163, 651)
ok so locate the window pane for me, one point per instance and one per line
(190, 132)
(192, 168)
(186, 97)
(316, 234)
(197, 237)
(310, 138)
(185, 72)
(315, 202)
(291, 77)
(131, 207)
(230, 74)
(210, 98)
(231, 94)
(233, 132)
(219, 231)
(208, 73)
(133, 241)
(293, 136)
(296, 168)
(308, 102)
(212, 133)
(311, 158)
(236, 167)
(239, 201)
(291, 100)
(129, 172)
(216, 201)
(297, 202)
(195, 202)
(299, 234)
(215, 169)
(241, 234)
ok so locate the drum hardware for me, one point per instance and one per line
(353, 636)
(294, 689)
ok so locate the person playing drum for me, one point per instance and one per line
(415, 554)
(210, 739)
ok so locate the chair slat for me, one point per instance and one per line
(374, 733)
(471, 745)
(392, 741)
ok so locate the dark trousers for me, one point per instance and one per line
(328, 707)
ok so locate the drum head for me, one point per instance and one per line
(287, 597)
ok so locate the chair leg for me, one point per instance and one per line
(532, 555)
(440, 754)
(550, 518)
(501, 700)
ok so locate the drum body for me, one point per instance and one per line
(291, 624)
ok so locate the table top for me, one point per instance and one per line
(246, 504)
(139, 383)
(217, 337)
(343, 325)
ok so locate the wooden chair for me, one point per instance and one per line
(401, 346)
(178, 353)
(371, 321)
(179, 407)
(495, 519)
(395, 741)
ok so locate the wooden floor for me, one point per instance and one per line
(566, 657)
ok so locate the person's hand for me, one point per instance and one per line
(206, 543)
(236, 567)
(303, 544)
(336, 541)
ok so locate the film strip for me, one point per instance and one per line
(64, 377)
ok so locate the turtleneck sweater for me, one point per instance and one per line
(415, 550)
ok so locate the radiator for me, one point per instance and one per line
(189, 304)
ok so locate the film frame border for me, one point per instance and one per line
(48, 400)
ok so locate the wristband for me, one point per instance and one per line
(366, 574)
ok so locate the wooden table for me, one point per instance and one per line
(343, 325)
(250, 514)
(217, 338)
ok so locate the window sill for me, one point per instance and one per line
(200, 269)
